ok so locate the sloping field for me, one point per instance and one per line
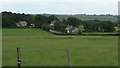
(41, 48)
(88, 17)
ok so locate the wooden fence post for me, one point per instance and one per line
(18, 57)
(69, 58)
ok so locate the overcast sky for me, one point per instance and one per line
(60, 6)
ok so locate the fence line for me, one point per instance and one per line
(19, 58)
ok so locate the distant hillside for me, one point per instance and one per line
(88, 17)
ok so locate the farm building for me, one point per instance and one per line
(71, 29)
(117, 29)
(52, 24)
(21, 24)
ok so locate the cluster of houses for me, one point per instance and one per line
(69, 28)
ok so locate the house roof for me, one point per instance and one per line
(23, 22)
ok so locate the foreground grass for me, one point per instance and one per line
(41, 48)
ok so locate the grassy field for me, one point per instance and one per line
(88, 17)
(41, 48)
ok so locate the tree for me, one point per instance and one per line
(8, 19)
(107, 26)
(45, 26)
(79, 32)
(60, 26)
(51, 18)
(73, 21)
(39, 20)
(29, 19)
(91, 25)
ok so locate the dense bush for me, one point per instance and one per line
(45, 27)
(99, 26)
(60, 26)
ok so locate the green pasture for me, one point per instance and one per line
(41, 48)
(89, 17)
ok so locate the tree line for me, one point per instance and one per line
(10, 19)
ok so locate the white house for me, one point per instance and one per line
(21, 24)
